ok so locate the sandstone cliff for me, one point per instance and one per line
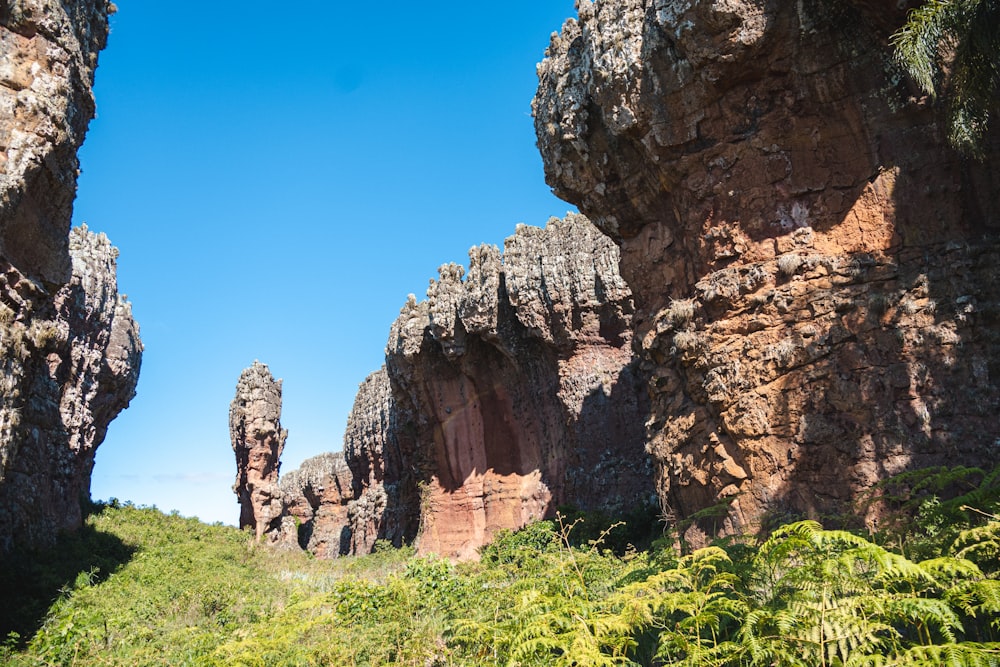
(508, 392)
(813, 267)
(257, 440)
(514, 388)
(69, 348)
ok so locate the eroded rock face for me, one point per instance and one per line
(70, 364)
(257, 439)
(341, 503)
(385, 504)
(48, 54)
(815, 288)
(508, 392)
(69, 347)
(315, 496)
(513, 386)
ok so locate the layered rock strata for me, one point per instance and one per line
(508, 392)
(69, 347)
(813, 267)
(258, 440)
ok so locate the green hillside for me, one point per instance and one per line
(137, 587)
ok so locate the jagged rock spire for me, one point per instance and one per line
(257, 439)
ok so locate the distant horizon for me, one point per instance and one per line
(276, 194)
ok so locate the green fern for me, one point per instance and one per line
(952, 46)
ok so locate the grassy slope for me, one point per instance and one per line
(142, 588)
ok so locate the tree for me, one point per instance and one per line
(952, 47)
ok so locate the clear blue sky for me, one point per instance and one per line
(278, 178)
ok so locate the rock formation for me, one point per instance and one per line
(48, 54)
(69, 348)
(507, 393)
(70, 365)
(257, 439)
(386, 502)
(513, 387)
(316, 497)
(341, 503)
(814, 277)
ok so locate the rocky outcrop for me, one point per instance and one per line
(812, 266)
(70, 364)
(69, 347)
(316, 496)
(257, 439)
(386, 502)
(341, 503)
(514, 391)
(48, 54)
(509, 392)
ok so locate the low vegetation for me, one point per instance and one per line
(155, 589)
(950, 48)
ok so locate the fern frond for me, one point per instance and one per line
(980, 544)
(964, 654)
(956, 40)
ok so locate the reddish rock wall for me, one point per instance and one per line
(813, 267)
(513, 385)
(508, 392)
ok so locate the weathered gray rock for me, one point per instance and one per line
(69, 348)
(258, 440)
(815, 284)
(70, 365)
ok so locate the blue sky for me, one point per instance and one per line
(278, 180)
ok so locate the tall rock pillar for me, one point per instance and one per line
(257, 438)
